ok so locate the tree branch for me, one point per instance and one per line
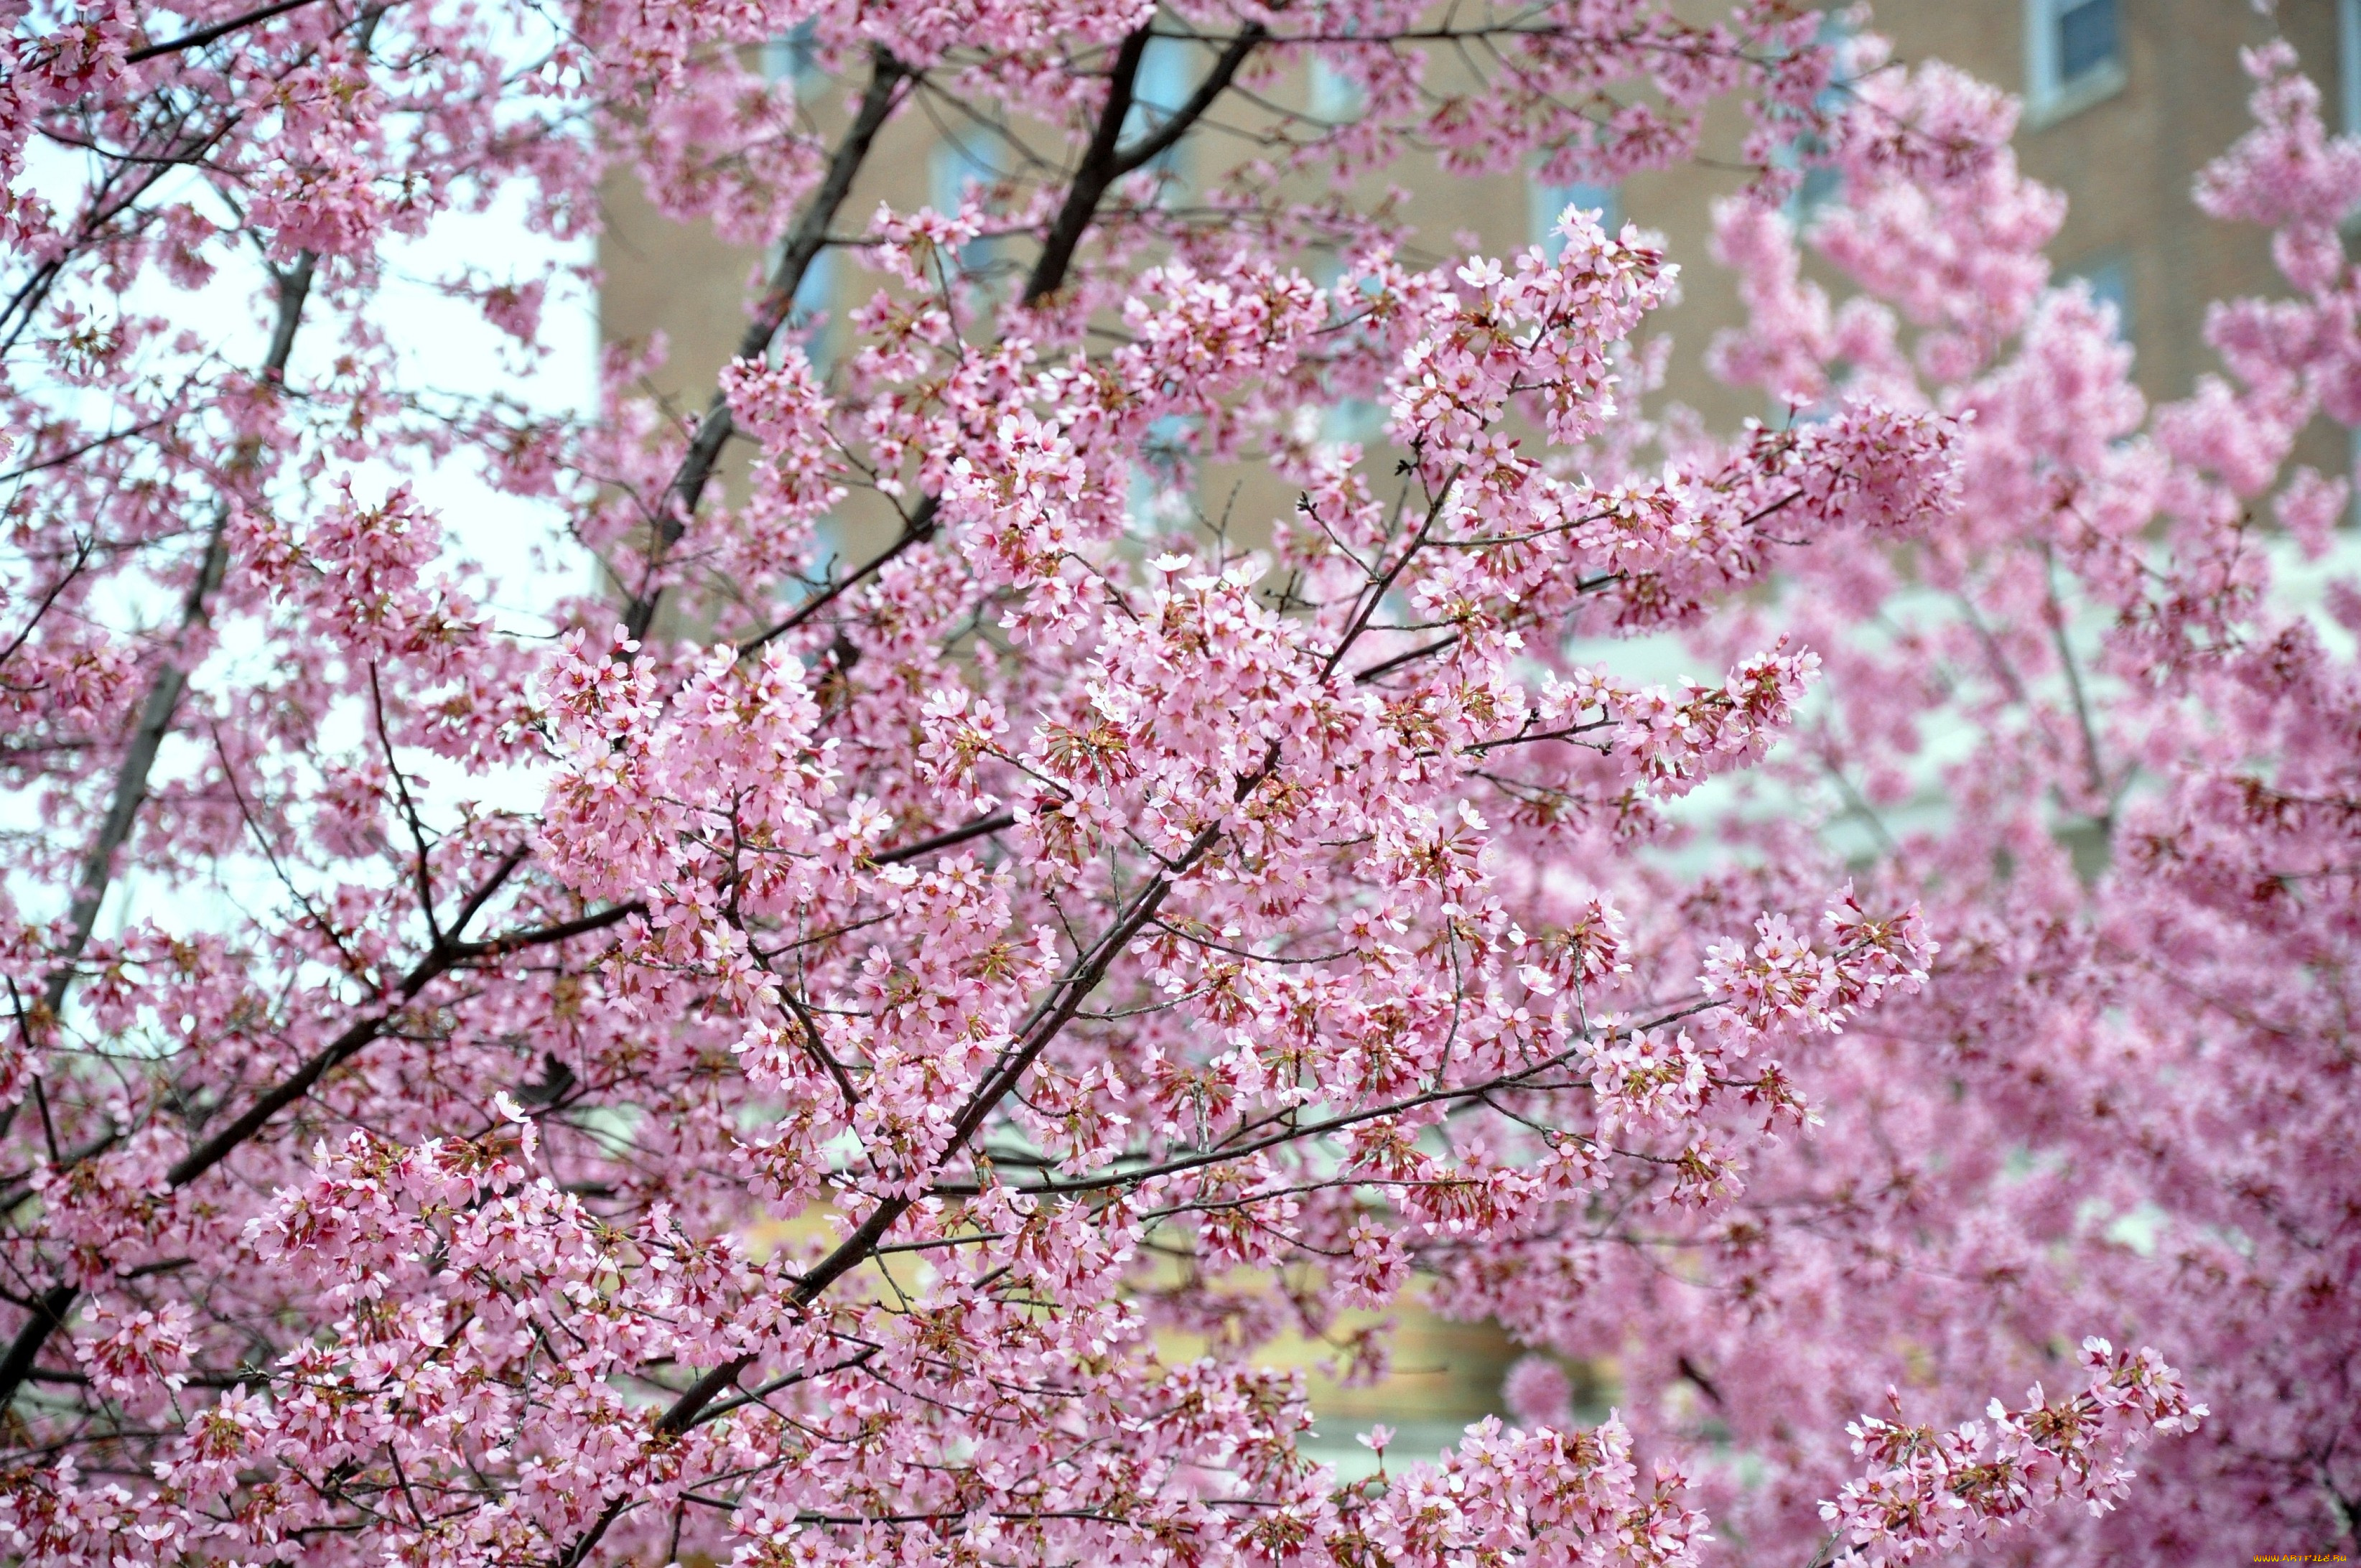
(1164, 137)
(97, 869)
(979, 827)
(1103, 162)
(803, 247)
(203, 35)
(1050, 1019)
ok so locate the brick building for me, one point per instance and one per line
(2123, 102)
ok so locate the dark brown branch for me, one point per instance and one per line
(1388, 667)
(27, 1346)
(803, 247)
(979, 827)
(1048, 1021)
(49, 1316)
(203, 36)
(448, 954)
(1103, 164)
(72, 453)
(356, 1036)
(542, 935)
(1378, 590)
(1106, 161)
(920, 528)
(1523, 1077)
(1097, 171)
(422, 869)
(1163, 137)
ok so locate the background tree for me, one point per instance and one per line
(928, 986)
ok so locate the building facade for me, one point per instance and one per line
(2124, 102)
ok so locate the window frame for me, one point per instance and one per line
(2348, 66)
(2049, 98)
(2108, 275)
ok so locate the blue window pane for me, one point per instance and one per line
(1167, 78)
(957, 168)
(1336, 98)
(1821, 185)
(794, 57)
(951, 168)
(815, 295)
(2086, 38)
(1357, 419)
(1550, 202)
(1157, 474)
(2110, 283)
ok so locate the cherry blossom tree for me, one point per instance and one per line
(806, 1056)
(2119, 1100)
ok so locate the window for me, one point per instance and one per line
(1337, 99)
(1549, 202)
(957, 170)
(2073, 56)
(2110, 282)
(1154, 495)
(2086, 38)
(2348, 63)
(1808, 151)
(793, 58)
(814, 295)
(1361, 420)
(1166, 79)
(1358, 420)
(953, 165)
